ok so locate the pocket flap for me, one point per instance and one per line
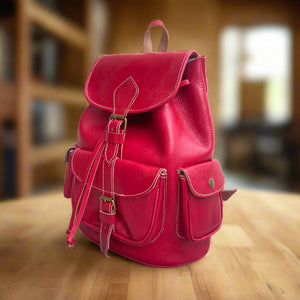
(204, 179)
(132, 179)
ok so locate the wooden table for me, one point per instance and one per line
(254, 256)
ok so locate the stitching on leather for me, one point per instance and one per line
(108, 234)
(137, 91)
(86, 180)
(108, 145)
(149, 189)
(193, 189)
(100, 229)
(164, 211)
(133, 98)
(101, 226)
(89, 77)
(122, 145)
(177, 215)
(108, 240)
(106, 213)
(152, 185)
(102, 173)
(149, 107)
(116, 146)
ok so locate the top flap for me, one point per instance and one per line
(132, 179)
(155, 78)
(205, 179)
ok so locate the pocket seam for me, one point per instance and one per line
(143, 243)
(178, 201)
(192, 236)
(189, 181)
(164, 212)
(148, 190)
(214, 230)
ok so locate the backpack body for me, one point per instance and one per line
(141, 176)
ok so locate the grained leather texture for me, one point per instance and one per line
(156, 77)
(204, 179)
(132, 179)
(199, 207)
(152, 192)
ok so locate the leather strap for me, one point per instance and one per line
(108, 207)
(84, 191)
(164, 40)
(116, 138)
(106, 225)
(123, 98)
(105, 152)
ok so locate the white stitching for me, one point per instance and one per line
(133, 98)
(193, 189)
(87, 178)
(149, 189)
(164, 212)
(137, 91)
(177, 215)
(106, 213)
(89, 77)
(100, 240)
(116, 146)
(139, 110)
(108, 233)
(108, 240)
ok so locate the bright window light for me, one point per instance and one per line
(260, 53)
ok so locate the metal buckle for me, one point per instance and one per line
(119, 117)
(108, 199)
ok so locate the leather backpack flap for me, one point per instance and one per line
(154, 77)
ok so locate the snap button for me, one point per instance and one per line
(211, 183)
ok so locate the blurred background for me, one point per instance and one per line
(253, 68)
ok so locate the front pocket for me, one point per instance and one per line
(139, 198)
(199, 209)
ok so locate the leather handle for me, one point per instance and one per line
(163, 44)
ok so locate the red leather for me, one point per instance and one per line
(154, 77)
(152, 191)
(199, 209)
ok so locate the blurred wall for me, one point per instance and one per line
(191, 25)
(196, 24)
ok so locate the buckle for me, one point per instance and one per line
(119, 117)
(108, 199)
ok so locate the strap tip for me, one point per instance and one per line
(70, 242)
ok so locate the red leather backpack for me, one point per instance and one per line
(142, 177)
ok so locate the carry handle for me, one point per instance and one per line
(163, 44)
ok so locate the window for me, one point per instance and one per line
(258, 56)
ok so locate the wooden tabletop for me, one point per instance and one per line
(255, 255)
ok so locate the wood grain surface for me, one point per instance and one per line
(255, 255)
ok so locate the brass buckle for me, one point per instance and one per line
(119, 117)
(108, 199)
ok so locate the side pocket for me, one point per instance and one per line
(199, 206)
(68, 174)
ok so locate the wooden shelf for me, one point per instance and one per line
(16, 98)
(56, 24)
(65, 95)
(7, 100)
(49, 152)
